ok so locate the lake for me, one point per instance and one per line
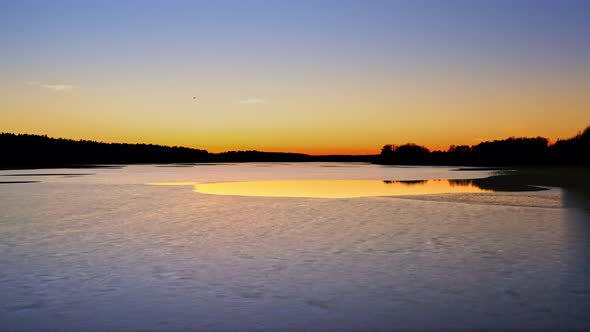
(276, 246)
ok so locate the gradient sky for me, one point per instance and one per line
(303, 76)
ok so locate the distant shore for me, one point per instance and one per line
(24, 151)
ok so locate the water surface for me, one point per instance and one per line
(107, 252)
(331, 188)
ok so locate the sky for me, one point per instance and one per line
(318, 77)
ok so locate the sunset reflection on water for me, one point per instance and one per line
(332, 188)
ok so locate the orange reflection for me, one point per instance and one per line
(335, 188)
(172, 184)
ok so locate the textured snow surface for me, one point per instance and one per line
(107, 252)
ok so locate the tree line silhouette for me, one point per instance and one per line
(25, 150)
(512, 151)
(40, 151)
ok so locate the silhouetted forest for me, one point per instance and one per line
(512, 151)
(40, 151)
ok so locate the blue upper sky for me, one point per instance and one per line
(67, 29)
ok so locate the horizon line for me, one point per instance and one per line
(290, 152)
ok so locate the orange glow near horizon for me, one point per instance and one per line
(317, 115)
(322, 115)
(316, 147)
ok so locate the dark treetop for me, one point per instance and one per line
(512, 151)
